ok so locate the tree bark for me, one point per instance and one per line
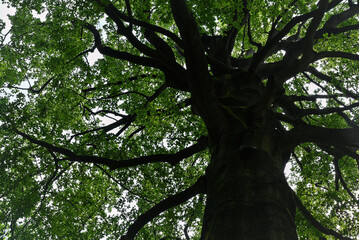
(248, 197)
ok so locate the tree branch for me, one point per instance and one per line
(302, 133)
(203, 96)
(341, 179)
(175, 74)
(314, 222)
(146, 25)
(327, 110)
(310, 34)
(170, 202)
(123, 121)
(336, 54)
(328, 79)
(262, 53)
(144, 61)
(336, 19)
(172, 159)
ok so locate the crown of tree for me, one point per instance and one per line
(216, 120)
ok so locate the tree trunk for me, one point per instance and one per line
(248, 197)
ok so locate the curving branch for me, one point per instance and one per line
(279, 17)
(172, 159)
(174, 73)
(105, 50)
(314, 222)
(112, 12)
(170, 202)
(341, 179)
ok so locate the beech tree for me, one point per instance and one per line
(183, 123)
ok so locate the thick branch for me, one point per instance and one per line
(323, 136)
(336, 54)
(170, 202)
(175, 74)
(112, 12)
(310, 34)
(335, 31)
(314, 222)
(336, 19)
(204, 99)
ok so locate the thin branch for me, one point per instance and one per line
(335, 31)
(340, 177)
(142, 76)
(149, 26)
(172, 159)
(314, 222)
(279, 17)
(328, 79)
(170, 202)
(129, 13)
(313, 97)
(123, 186)
(328, 110)
(300, 164)
(105, 112)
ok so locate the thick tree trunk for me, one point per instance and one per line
(247, 195)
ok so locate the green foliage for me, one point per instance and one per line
(54, 88)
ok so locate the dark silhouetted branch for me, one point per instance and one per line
(170, 202)
(302, 133)
(262, 53)
(339, 175)
(146, 25)
(144, 61)
(314, 222)
(172, 159)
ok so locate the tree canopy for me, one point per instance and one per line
(129, 144)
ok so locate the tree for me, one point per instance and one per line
(184, 127)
